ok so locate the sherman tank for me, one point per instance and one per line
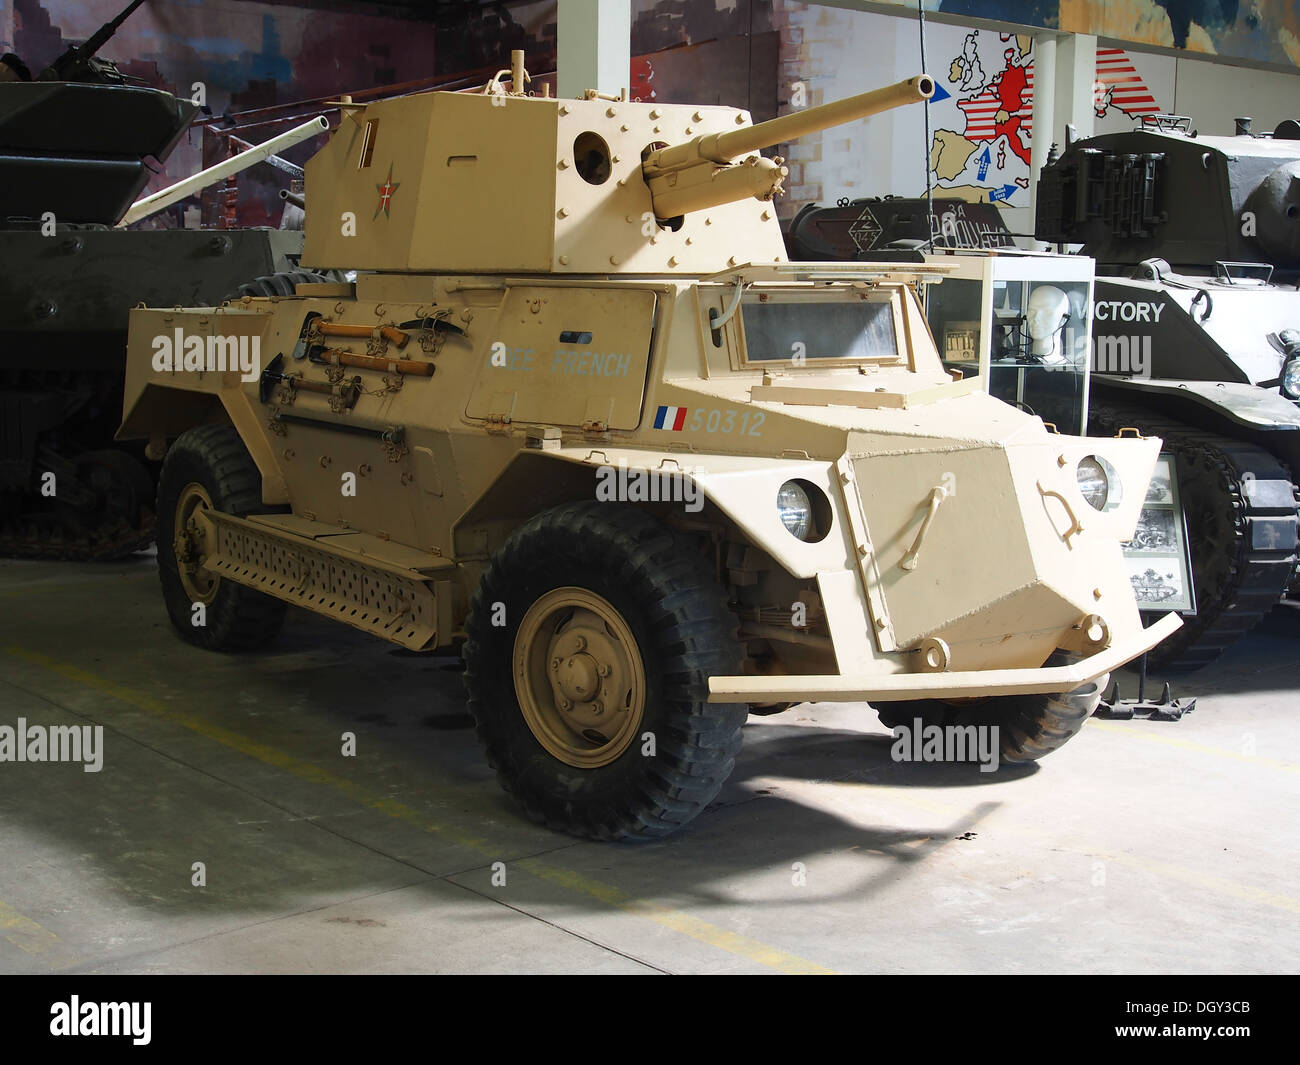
(1196, 324)
(644, 472)
(76, 147)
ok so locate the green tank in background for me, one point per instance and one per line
(76, 144)
(1196, 315)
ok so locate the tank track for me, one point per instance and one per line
(45, 537)
(1253, 572)
(32, 527)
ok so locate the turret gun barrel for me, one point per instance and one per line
(78, 63)
(698, 174)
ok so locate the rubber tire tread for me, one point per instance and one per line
(678, 613)
(238, 618)
(280, 283)
(1030, 727)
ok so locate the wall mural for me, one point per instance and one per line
(1266, 31)
(982, 113)
(982, 116)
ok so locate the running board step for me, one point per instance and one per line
(372, 584)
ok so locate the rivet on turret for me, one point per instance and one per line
(689, 131)
(740, 119)
(631, 219)
(564, 164)
(697, 117)
(563, 212)
(654, 239)
(689, 241)
(623, 128)
(766, 215)
(613, 260)
(563, 110)
(708, 221)
(731, 261)
(672, 260)
(610, 112)
(655, 112)
(654, 129)
(614, 159)
(564, 260)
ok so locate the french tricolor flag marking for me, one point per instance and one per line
(671, 418)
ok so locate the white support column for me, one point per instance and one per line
(594, 45)
(1065, 71)
(1076, 76)
(1044, 112)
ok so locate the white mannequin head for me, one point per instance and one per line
(1047, 313)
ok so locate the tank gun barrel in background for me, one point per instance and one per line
(686, 177)
(151, 204)
(77, 59)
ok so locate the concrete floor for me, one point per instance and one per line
(1140, 847)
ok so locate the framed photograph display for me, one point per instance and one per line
(1159, 560)
(961, 342)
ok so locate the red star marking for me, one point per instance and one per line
(386, 191)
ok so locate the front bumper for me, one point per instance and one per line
(959, 685)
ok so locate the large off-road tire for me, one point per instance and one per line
(601, 607)
(209, 468)
(1030, 727)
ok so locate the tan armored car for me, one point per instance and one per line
(579, 416)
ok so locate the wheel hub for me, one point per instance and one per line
(187, 544)
(579, 677)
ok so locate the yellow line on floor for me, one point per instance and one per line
(1245, 892)
(1129, 730)
(677, 920)
(23, 932)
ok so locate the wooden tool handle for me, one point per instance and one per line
(324, 388)
(379, 362)
(334, 329)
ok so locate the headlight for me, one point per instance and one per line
(1291, 378)
(1099, 483)
(795, 508)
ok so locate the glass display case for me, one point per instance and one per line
(1021, 322)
